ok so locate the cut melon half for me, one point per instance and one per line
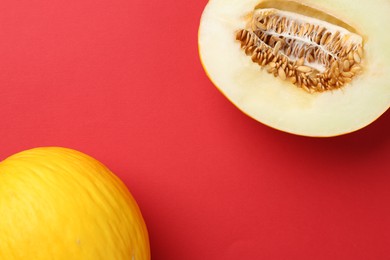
(313, 68)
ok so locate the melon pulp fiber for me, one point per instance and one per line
(280, 104)
(59, 203)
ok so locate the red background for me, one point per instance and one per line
(121, 80)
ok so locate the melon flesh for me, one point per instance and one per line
(282, 105)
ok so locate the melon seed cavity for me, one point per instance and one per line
(313, 54)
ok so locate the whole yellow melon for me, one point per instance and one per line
(58, 203)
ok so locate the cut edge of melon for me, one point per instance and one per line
(325, 126)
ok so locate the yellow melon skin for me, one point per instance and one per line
(281, 105)
(58, 203)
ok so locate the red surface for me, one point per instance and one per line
(121, 81)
